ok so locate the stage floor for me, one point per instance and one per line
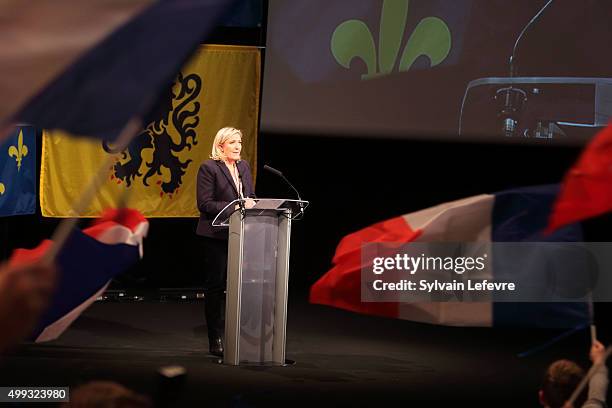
(342, 359)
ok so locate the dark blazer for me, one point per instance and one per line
(215, 190)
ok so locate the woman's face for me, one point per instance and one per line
(232, 147)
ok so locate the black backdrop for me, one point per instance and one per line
(351, 183)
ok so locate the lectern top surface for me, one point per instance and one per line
(269, 204)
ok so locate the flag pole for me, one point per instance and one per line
(63, 230)
(587, 378)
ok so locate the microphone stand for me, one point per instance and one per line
(281, 175)
(514, 98)
(239, 190)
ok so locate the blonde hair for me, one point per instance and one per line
(222, 136)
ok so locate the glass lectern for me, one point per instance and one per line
(257, 279)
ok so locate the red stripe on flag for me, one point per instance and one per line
(23, 256)
(393, 230)
(587, 187)
(341, 286)
(126, 217)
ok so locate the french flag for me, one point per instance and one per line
(519, 215)
(86, 264)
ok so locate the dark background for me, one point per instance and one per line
(350, 182)
(343, 359)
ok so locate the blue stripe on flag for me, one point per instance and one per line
(520, 216)
(85, 265)
(125, 75)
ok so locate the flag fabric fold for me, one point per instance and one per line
(86, 264)
(510, 216)
(124, 75)
(586, 190)
(41, 40)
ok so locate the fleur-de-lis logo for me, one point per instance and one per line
(20, 151)
(2, 189)
(353, 39)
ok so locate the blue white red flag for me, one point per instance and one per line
(510, 216)
(86, 264)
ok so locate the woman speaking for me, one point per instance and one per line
(222, 179)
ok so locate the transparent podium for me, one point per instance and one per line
(257, 279)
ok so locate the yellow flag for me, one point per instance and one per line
(219, 87)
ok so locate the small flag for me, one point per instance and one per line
(18, 173)
(86, 264)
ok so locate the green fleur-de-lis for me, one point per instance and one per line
(2, 189)
(353, 39)
(20, 151)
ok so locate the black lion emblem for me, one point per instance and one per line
(184, 118)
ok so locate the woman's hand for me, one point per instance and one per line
(249, 203)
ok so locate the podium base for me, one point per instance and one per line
(287, 363)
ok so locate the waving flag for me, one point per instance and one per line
(509, 216)
(18, 173)
(123, 75)
(39, 40)
(86, 265)
(587, 188)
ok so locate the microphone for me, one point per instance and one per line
(273, 170)
(280, 174)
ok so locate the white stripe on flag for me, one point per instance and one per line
(119, 234)
(53, 331)
(465, 220)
